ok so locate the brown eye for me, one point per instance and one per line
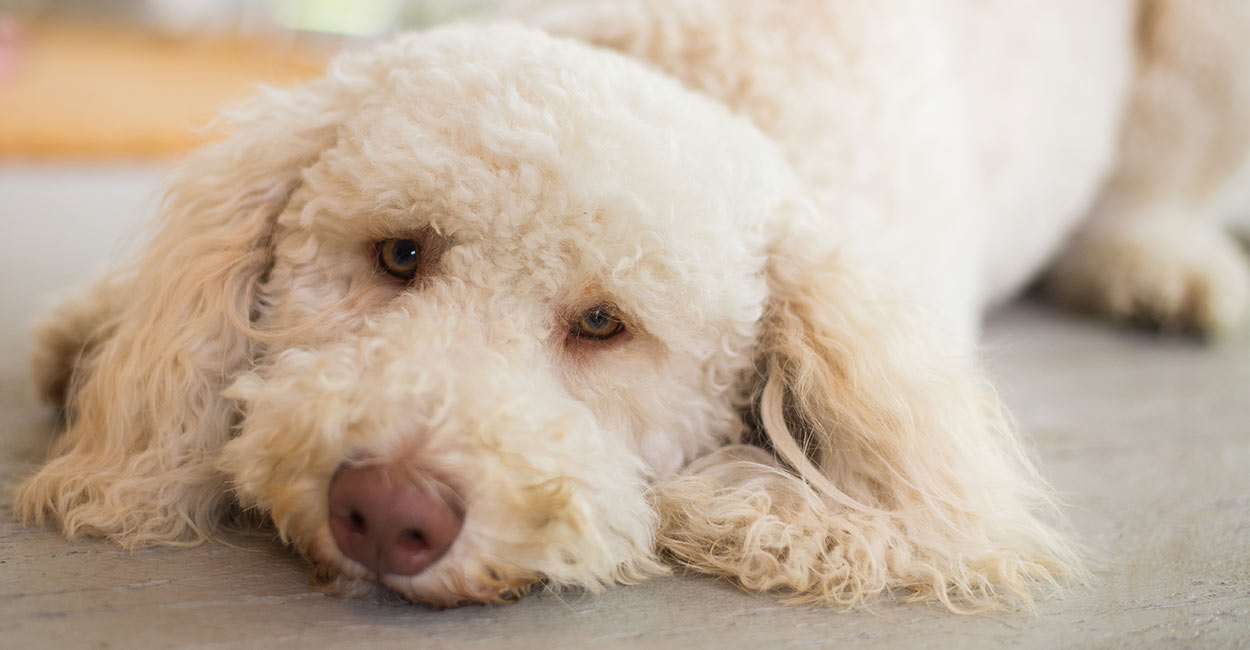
(400, 257)
(598, 324)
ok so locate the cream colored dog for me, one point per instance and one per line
(484, 307)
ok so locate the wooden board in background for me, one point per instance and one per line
(94, 91)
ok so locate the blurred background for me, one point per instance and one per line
(135, 79)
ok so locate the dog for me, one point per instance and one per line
(597, 289)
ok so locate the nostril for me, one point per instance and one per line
(413, 541)
(356, 522)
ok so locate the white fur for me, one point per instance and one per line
(800, 211)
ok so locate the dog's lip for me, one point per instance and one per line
(511, 592)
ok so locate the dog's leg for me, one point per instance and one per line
(1153, 250)
(738, 513)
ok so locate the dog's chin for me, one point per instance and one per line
(448, 589)
(486, 589)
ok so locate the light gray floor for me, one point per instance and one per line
(1149, 437)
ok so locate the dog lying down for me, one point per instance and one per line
(485, 307)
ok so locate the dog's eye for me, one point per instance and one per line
(400, 257)
(598, 324)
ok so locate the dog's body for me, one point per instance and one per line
(977, 135)
(615, 280)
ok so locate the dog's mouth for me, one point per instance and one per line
(455, 586)
(485, 588)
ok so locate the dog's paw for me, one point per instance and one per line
(1172, 276)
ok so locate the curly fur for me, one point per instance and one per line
(800, 212)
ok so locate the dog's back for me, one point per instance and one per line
(972, 137)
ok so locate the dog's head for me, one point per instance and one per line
(450, 315)
(446, 313)
(513, 280)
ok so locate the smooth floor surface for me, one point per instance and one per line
(1148, 437)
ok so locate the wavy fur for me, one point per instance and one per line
(146, 415)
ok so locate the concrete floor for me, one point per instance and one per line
(1149, 437)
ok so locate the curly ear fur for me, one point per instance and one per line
(911, 474)
(139, 362)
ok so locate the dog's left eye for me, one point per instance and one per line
(598, 324)
(400, 257)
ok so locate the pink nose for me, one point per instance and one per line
(390, 526)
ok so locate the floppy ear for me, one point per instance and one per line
(165, 334)
(904, 469)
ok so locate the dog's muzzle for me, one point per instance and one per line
(390, 525)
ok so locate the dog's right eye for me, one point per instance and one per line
(400, 257)
(598, 324)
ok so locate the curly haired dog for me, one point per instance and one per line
(485, 306)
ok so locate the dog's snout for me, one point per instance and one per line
(390, 526)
